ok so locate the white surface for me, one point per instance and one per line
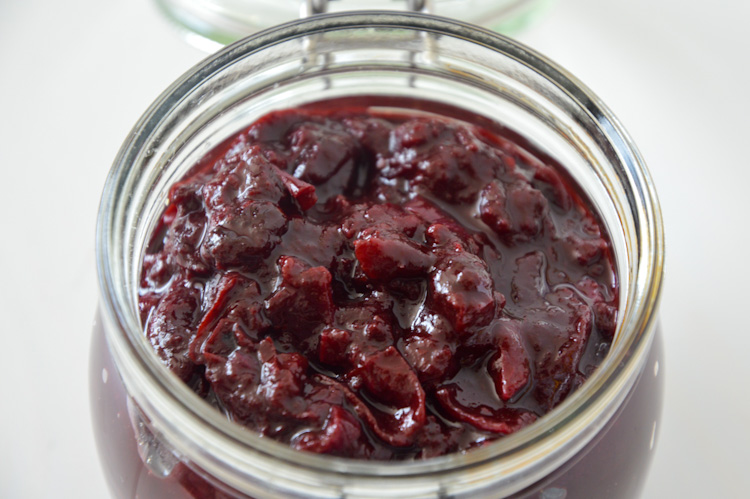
(76, 75)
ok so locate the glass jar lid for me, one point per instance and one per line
(210, 24)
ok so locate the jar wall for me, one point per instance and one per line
(614, 464)
(125, 465)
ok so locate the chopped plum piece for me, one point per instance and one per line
(390, 216)
(559, 329)
(385, 255)
(233, 298)
(517, 212)
(321, 150)
(492, 208)
(259, 385)
(445, 158)
(461, 289)
(333, 345)
(341, 431)
(390, 381)
(171, 327)
(502, 421)
(509, 366)
(243, 237)
(431, 358)
(302, 192)
(238, 182)
(183, 240)
(304, 298)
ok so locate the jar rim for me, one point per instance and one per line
(640, 322)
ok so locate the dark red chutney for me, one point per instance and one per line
(379, 285)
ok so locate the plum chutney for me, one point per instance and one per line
(379, 285)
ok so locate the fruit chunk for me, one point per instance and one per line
(389, 380)
(304, 298)
(171, 326)
(509, 366)
(462, 290)
(385, 255)
(502, 421)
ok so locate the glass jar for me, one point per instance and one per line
(157, 438)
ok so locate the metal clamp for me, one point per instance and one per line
(321, 59)
(312, 7)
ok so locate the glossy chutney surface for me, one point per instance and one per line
(379, 285)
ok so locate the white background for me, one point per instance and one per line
(76, 74)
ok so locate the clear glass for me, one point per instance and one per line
(596, 444)
(212, 23)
